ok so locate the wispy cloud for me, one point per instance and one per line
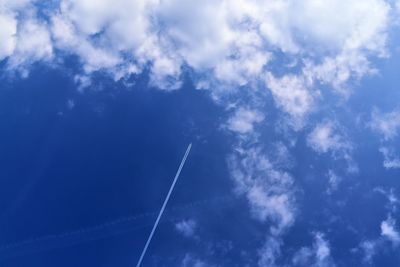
(334, 181)
(386, 124)
(270, 252)
(191, 261)
(318, 255)
(370, 248)
(268, 190)
(328, 137)
(186, 227)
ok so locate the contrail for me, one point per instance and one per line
(164, 205)
(95, 232)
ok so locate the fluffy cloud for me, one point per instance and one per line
(33, 44)
(225, 43)
(93, 57)
(292, 95)
(243, 120)
(388, 230)
(269, 191)
(324, 138)
(25, 38)
(8, 30)
(191, 26)
(386, 124)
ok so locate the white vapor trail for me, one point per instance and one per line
(164, 205)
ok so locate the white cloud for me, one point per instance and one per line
(391, 197)
(25, 38)
(123, 24)
(328, 137)
(292, 95)
(389, 231)
(243, 120)
(319, 255)
(369, 248)
(391, 161)
(268, 190)
(334, 181)
(186, 227)
(324, 138)
(338, 70)
(191, 26)
(8, 30)
(226, 43)
(270, 252)
(323, 251)
(93, 58)
(11, 33)
(280, 156)
(386, 124)
(360, 23)
(303, 257)
(33, 44)
(229, 45)
(294, 26)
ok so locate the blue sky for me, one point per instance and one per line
(293, 112)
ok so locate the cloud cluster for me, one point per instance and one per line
(388, 230)
(318, 255)
(387, 125)
(268, 190)
(225, 44)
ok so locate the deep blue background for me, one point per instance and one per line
(113, 155)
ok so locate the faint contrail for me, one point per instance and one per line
(95, 232)
(164, 205)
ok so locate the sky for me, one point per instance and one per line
(292, 109)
